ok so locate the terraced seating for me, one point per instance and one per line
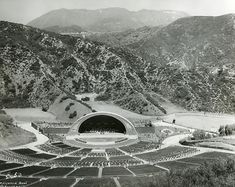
(43, 156)
(61, 182)
(145, 169)
(95, 182)
(84, 172)
(82, 152)
(95, 154)
(140, 147)
(63, 161)
(44, 124)
(55, 172)
(54, 149)
(114, 152)
(2, 162)
(115, 171)
(9, 166)
(93, 161)
(18, 158)
(62, 145)
(33, 154)
(26, 171)
(169, 153)
(80, 143)
(123, 161)
(2, 177)
(177, 165)
(24, 151)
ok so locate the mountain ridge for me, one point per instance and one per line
(38, 66)
(196, 50)
(107, 19)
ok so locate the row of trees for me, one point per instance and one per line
(223, 131)
(226, 130)
(201, 135)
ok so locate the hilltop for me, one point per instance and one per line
(106, 20)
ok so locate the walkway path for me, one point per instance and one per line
(41, 139)
(174, 141)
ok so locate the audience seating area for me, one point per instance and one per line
(114, 152)
(57, 148)
(62, 161)
(140, 147)
(97, 154)
(123, 161)
(93, 161)
(166, 154)
(81, 152)
(17, 158)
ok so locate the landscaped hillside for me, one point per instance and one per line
(11, 135)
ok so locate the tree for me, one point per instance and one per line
(228, 130)
(199, 135)
(44, 109)
(72, 115)
(222, 131)
(67, 108)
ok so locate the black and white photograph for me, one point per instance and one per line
(117, 93)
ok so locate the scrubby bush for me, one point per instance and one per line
(2, 112)
(103, 97)
(67, 108)
(225, 131)
(200, 135)
(44, 109)
(63, 99)
(72, 115)
(35, 67)
(71, 104)
(219, 173)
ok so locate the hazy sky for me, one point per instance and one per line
(23, 11)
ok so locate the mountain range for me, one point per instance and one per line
(189, 62)
(106, 20)
(37, 66)
(198, 51)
